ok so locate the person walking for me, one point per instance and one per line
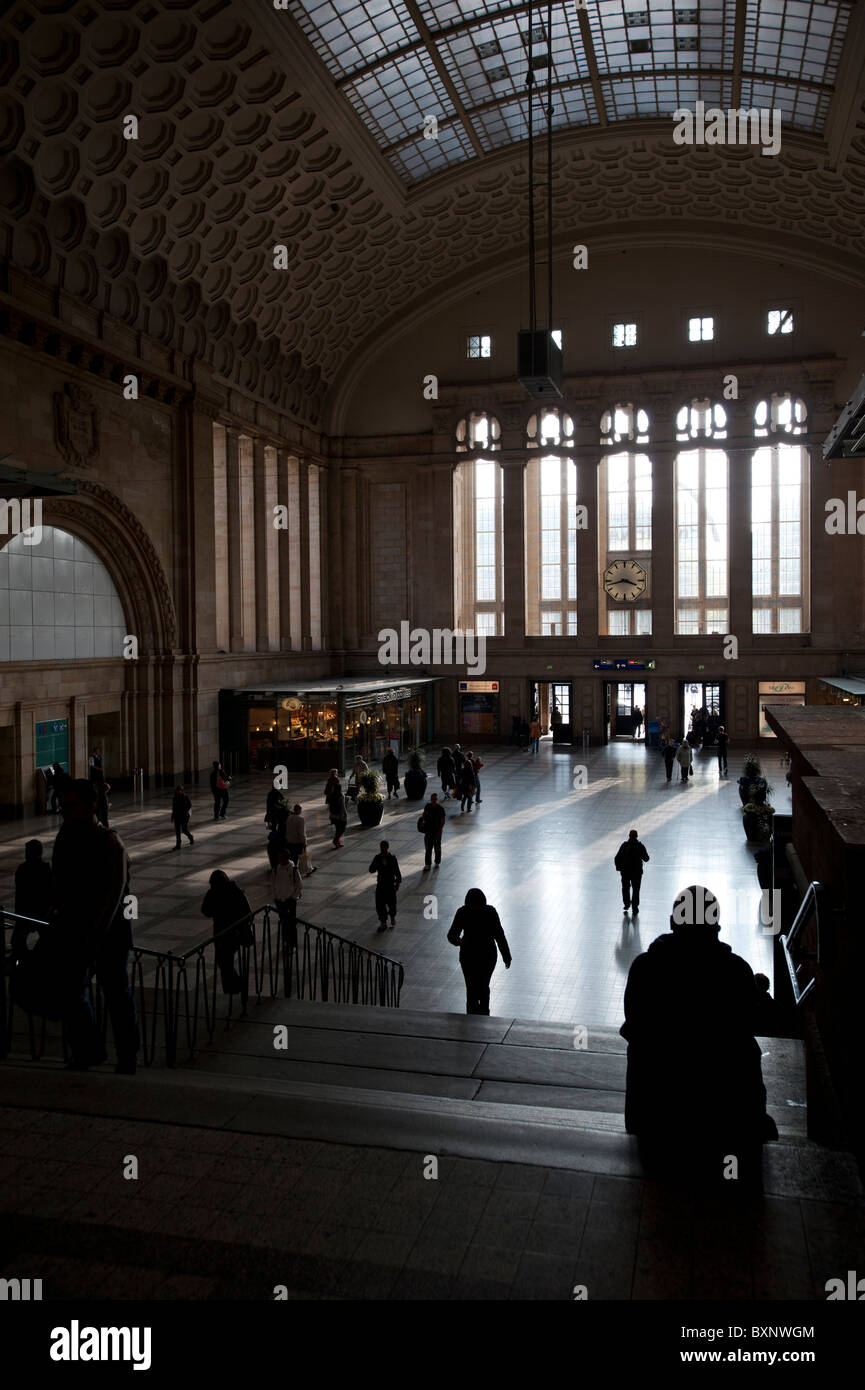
(286, 889)
(96, 771)
(93, 936)
(467, 783)
(477, 931)
(684, 757)
(34, 894)
(723, 745)
(181, 810)
(630, 858)
(477, 765)
(459, 758)
(338, 815)
(447, 771)
(60, 779)
(669, 758)
(390, 768)
(331, 785)
(535, 735)
(359, 771)
(219, 784)
(294, 833)
(638, 721)
(227, 904)
(275, 809)
(388, 880)
(432, 822)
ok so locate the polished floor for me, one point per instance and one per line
(539, 846)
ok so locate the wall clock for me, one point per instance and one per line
(625, 580)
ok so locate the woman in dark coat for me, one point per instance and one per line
(338, 815)
(447, 771)
(477, 931)
(228, 905)
(331, 786)
(181, 810)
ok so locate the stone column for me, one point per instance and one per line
(261, 525)
(740, 619)
(233, 499)
(514, 546)
(350, 493)
(332, 562)
(663, 433)
(587, 551)
(303, 483)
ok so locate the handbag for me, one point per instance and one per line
(421, 824)
(304, 865)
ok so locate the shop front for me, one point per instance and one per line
(479, 710)
(840, 690)
(325, 724)
(777, 693)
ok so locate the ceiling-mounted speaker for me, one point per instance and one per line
(539, 363)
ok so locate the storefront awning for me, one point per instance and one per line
(851, 685)
(351, 688)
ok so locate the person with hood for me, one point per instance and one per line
(632, 855)
(227, 904)
(388, 880)
(181, 810)
(477, 931)
(684, 757)
(446, 770)
(390, 768)
(693, 1071)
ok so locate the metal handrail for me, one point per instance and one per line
(809, 905)
(181, 987)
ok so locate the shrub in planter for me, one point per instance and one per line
(415, 780)
(752, 784)
(757, 820)
(370, 802)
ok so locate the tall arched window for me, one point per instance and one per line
(551, 527)
(779, 475)
(479, 573)
(57, 601)
(625, 521)
(702, 531)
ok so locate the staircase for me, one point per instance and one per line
(444, 1084)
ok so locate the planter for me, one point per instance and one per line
(369, 812)
(414, 784)
(756, 827)
(754, 789)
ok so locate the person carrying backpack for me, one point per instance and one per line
(630, 858)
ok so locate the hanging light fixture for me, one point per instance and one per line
(539, 357)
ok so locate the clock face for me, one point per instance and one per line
(625, 580)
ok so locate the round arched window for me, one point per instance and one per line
(57, 600)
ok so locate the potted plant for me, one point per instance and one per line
(370, 802)
(415, 779)
(752, 784)
(757, 820)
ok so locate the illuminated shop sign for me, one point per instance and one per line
(624, 665)
(479, 687)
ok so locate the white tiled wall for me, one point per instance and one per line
(57, 601)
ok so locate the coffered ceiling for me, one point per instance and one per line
(252, 134)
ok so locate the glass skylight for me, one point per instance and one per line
(653, 56)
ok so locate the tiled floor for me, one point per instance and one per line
(541, 849)
(221, 1215)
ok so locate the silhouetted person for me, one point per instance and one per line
(331, 785)
(459, 758)
(477, 931)
(638, 721)
(446, 769)
(630, 858)
(91, 881)
(766, 1019)
(388, 880)
(338, 815)
(468, 784)
(96, 771)
(286, 890)
(219, 784)
(691, 1010)
(294, 833)
(181, 810)
(102, 790)
(390, 768)
(723, 745)
(669, 759)
(61, 780)
(556, 716)
(433, 819)
(275, 808)
(34, 893)
(228, 905)
(477, 765)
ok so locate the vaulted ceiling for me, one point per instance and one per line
(248, 139)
